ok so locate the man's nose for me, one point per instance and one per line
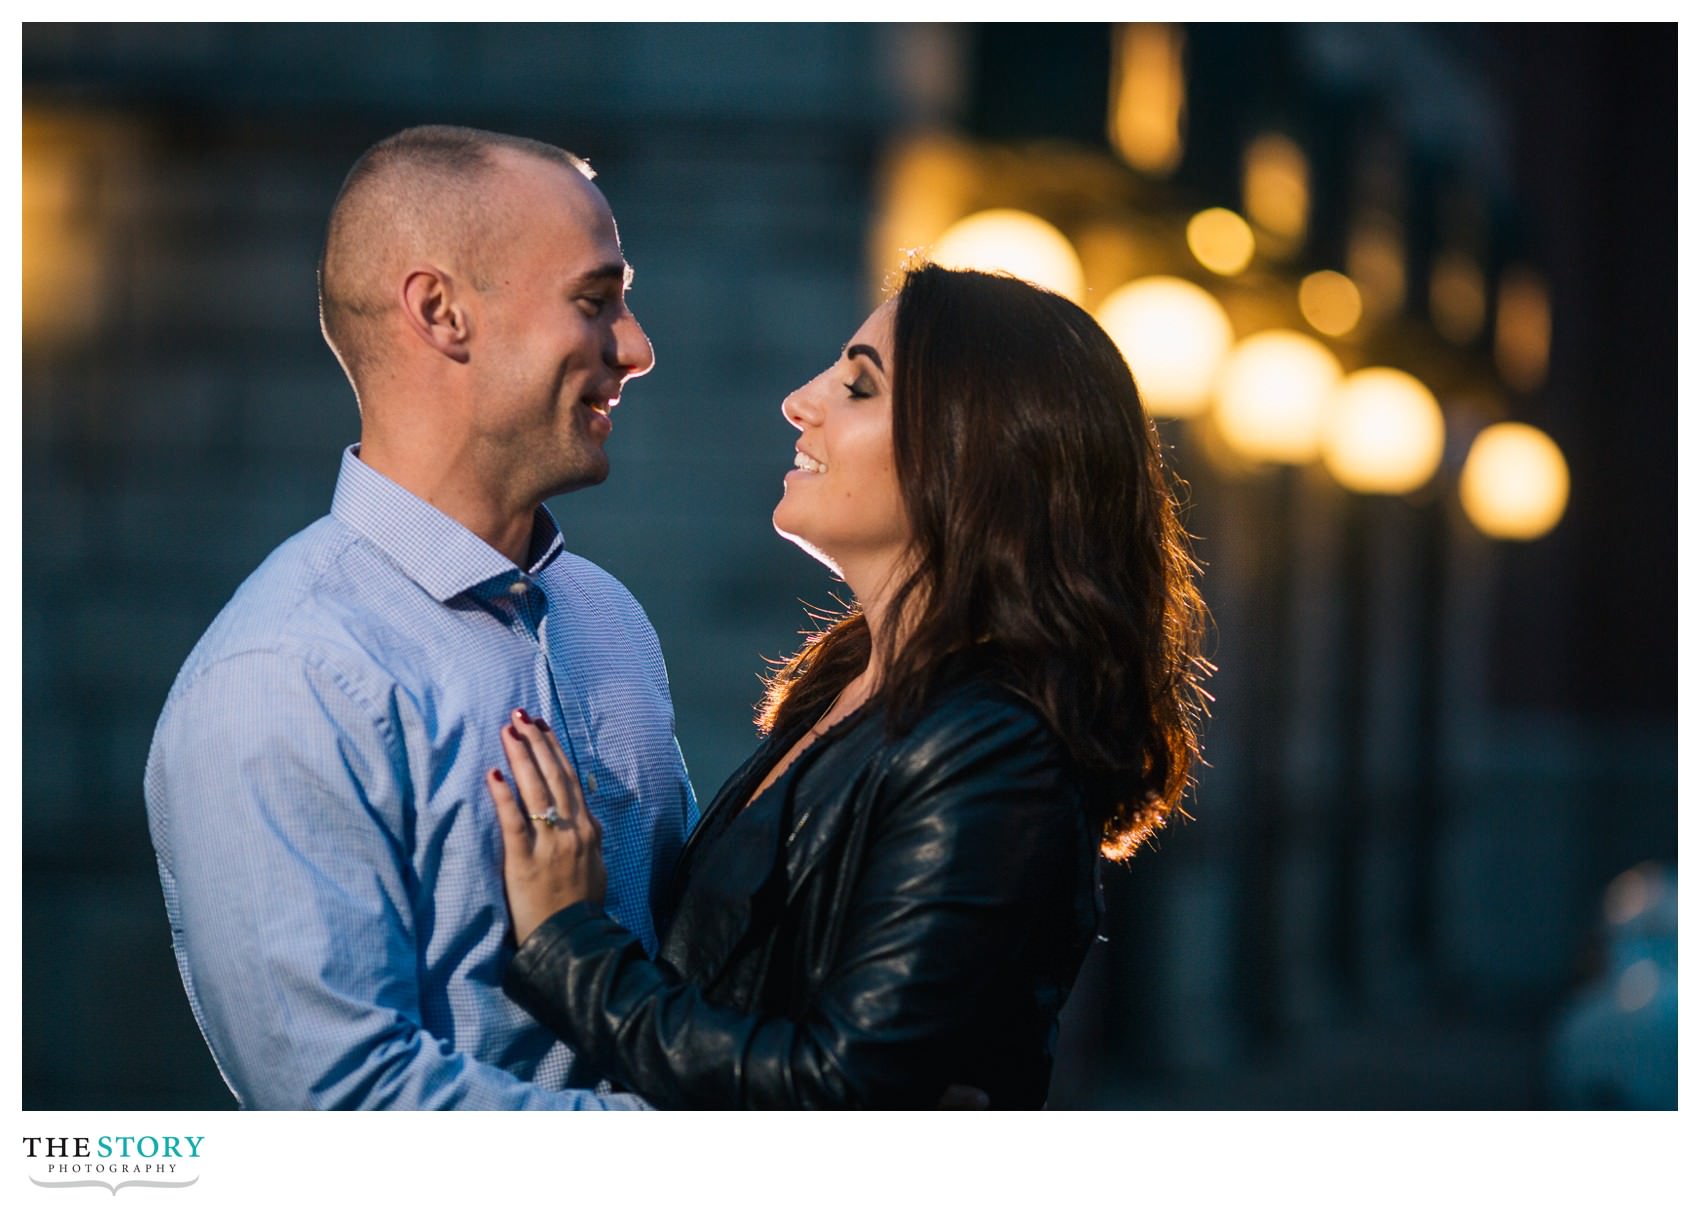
(632, 351)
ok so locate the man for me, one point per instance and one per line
(330, 859)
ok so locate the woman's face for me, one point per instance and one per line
(841, 500)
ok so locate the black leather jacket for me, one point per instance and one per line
(889, 918)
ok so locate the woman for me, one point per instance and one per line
(896, 892)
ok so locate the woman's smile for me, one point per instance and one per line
(804, 462)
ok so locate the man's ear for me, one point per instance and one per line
(430, 301)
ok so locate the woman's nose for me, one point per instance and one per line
(800, 407)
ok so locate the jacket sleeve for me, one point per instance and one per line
(978, 824)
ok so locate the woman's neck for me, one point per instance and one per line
(874, 590)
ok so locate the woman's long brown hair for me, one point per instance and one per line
(1046, 531)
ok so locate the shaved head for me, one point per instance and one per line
(420, 195)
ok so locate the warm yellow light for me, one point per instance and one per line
(1277, 189)
(925, 183)
(1457, 298)
(1147, 96)
(1012, 241)
(66, 228)
(1375, 257)
(1383, 432)
(1523, 335)
(1221, 240)
(1515, 483)
(1271, 395)
(1174, 335)
(1330, 302)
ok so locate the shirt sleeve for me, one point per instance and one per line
(971, 847)
(279, 802)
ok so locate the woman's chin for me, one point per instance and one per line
(800, 541)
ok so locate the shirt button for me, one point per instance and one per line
(518, 588)
(590, 783)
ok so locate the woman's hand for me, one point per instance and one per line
(551, 845)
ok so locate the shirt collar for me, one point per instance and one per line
(443, 557)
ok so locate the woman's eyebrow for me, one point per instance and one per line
(868, 352)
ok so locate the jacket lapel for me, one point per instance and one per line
(709, 928)
(835, 786)
(733, 792)
(781, 827)
(706, 932)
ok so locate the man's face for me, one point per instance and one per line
(553, 340)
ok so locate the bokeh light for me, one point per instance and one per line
(1457, 298)
(1148, 96)
(1383, 432)
(1515, 483)
(1330, 302)
(1012, 241)
(1637, 985)
(1174, 335)
(1277, 189)
(1628, 896)
(66, 260)
(1375, 258)
(930, 180)
(1221, 240)
(1271, 396)
(1523, 336)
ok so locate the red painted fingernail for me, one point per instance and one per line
(497, 775)
(542, 724)
(519, 714)
(512, 731)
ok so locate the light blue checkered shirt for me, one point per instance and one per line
(329, 854)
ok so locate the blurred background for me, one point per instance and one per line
(1404, 298)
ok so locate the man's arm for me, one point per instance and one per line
(276, 797)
